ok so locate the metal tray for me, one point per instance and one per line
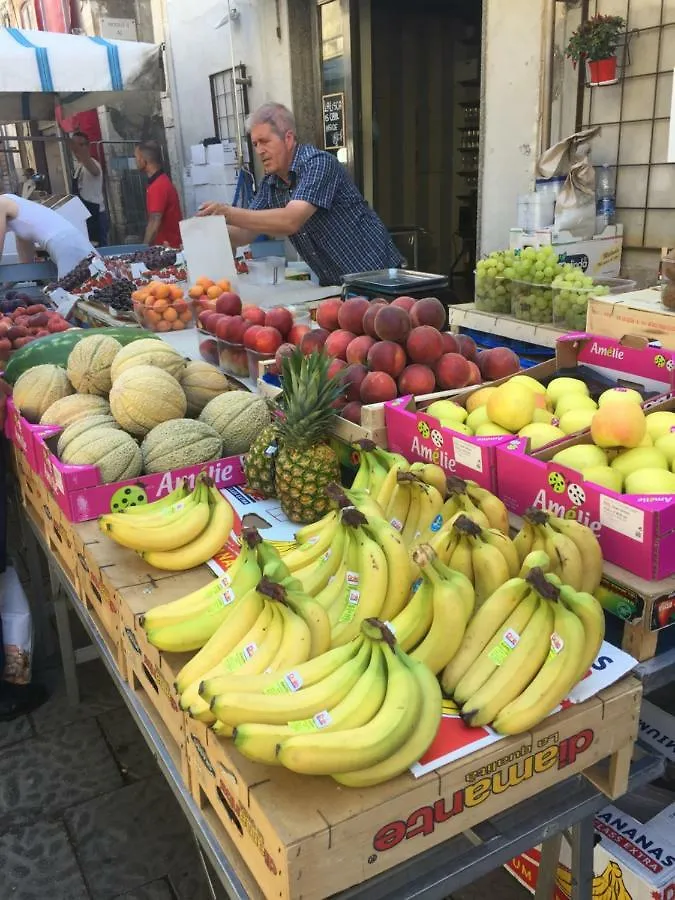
(394, 280)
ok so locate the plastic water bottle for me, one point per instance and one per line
(605, 199)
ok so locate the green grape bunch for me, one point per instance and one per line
(493, 288)
(571, 291)
(533, 271)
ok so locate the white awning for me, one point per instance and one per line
(40, 70)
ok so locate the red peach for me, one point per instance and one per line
(476, 377)
(229, 304)
(251, 335)
(369, 318)
(424, 344)
(428, 311)
(279, 318)
(498, 363)
(452, 371)
(267, 340)
(213, 321)
(313, 340)
(236, 328)
(467, 347)
(221, 327)
(392, 324)
(204, 317)
(208, 350)
(405, 303)
(354, 375)
(416, 379)
(327, 313)
(351, 313)
(352, 412)
(377, 387)
(337, 343)
(254, 314)
(357, 351)
(336, 366)
(296, 334)
(284, 350)
(386, 356)
(450, 342)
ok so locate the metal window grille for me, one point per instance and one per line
(223, 86)
(634, 115)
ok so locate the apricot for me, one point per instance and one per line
(313, 340)
(163, 325)
(351, 313)
(357, 351)
(452, 371)
(177, 325)
(224, 284)
(428, 311)
(416, 379)
(405, 303)
(392, 324)
(196, 291)
(186, 316)
(160, 305)
(213, 292)
(226, 302)
(175, 292)
(327, 313)
(280, 318)
(377, 387)
(498, 363)
(170, 314)
(369, 318)
(619, 424)
(386, 356)
(424, 344)
(337, 343)
(254, 315)
(352, 379)
(206, 282)
(352, 412)
(296, 334)
(467, 347)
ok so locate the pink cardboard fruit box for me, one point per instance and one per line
(24, 435)
(636, 532)
(81, 495)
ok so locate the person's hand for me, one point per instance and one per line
(5, 391)
(211, 208)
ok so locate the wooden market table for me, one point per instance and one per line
(568, 806)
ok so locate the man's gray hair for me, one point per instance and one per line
(278, 116)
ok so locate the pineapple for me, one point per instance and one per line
(260, 462)
(306, 463)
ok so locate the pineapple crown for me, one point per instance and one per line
(308, 397)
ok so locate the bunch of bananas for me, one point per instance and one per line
(180, 531)
(609, 885)
(363, 712)
(572, 548)
(525, 648)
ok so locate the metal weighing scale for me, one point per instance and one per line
(393, 283)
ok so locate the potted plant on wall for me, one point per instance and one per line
(594, 43)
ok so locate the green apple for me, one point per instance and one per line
(620, 395)
(574, 401)
(660, 423)
(478, 417)
(446, 409)
(666, 444)
(530, 382)
(540, 435)
(543, 415)
(454, 425)
(489, 429)
(580, 457)
(576, 420)
(640, 458)
(650, 481)
(606, 476)
(558, 387)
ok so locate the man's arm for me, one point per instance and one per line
(151, 229)
(279, 222)
(91, 165)
(25, 250)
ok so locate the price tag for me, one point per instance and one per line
(97, 266)
(63, 301)
(138, 269)
(621, 517)
(468, 454)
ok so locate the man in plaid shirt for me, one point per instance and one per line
(307, 196)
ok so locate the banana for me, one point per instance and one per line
(353, 749)
(259, 742)
(389, 458)
(505, 546)
(174, 531)
(524, 539)
(553, 681)
(398, 507)
(536, 559)
(334, 596)
(365, 503)
(234, 707)
(204, 546)
(463, 587)
(180, 492)
(517, 667)
(193, 631)
(315, 618)
(430, 505)
(366, 598)
(444, 543)
(295, 641)
(304, 534)
(154, 514)
(592, 616)
(399, 569)
(419, 741)
(588, 546)
(283, 682)
(241, 617)
(313, 548)
(461, 558)
(490, 569)
(315, 576)
(221, 729)
(377, 475)
(449, 619)
(386, 491)
(485, 622)
(488, 660)
(568, 558)
(362, 478)
(409, 529)
(201, 712)
(491, 507)
(412, 624)
(469, 508)
(432, 475)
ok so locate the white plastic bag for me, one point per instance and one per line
(17, 628)
(575, 204)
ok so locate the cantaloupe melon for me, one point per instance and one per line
(77, 428)
(89, 364)
(202, 382)
(70, 409)
(238, 417)
(143, 397)
(36, 390)
(115, 453)
(178, 443)
(148, 353)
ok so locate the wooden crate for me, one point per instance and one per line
(32, 490)
(60, 536)
(309, 837)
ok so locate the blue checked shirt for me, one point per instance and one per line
(344, 234)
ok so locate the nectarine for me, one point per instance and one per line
(357, 351)
(327, 313)
(313, 340)
(498, 363)
(250, 336)
(416, 379)
(452, 371)
(267, 340)
(369, 318)
(280, 318)
(428, 311)
(392, 324)
(354, 375)
(337, 343)
(228, 303)
(377, 387)
(296, 334)
(351, 313)
(254, 314)
(405, 303)
(424, 344)
(352, 412)
(386, 356)
(467, 346)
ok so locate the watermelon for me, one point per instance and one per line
(55, 348)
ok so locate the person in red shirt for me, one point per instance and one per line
(161, 198)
